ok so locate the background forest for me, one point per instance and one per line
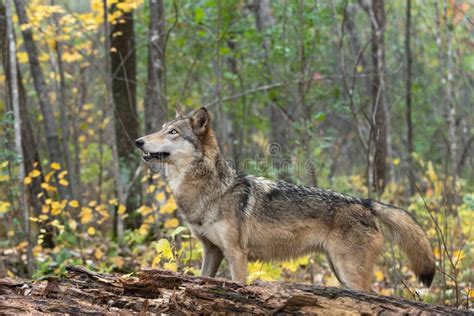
(371, 98)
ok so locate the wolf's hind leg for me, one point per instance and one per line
(212, 259)
(354, 263)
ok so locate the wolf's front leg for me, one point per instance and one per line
(212, 259)
(237, 259)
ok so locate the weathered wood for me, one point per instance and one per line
(158, 291)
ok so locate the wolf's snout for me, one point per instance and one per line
(139, 142)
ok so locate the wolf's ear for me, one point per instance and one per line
(200, 121)
(179, 111)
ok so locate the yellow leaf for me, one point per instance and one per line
(144, 230)
(55, 211)
(11, 233)
(55, 166)
(4, 177)
(293, 265)
(74, 203)
(171, 223)
(98, 254)
(35, 173)
(150, 189)
(27, 180)
(144, 210)
(113, 50)
(91, 231)
(150, 219)
(121, 209)
(63, 182)
(169, 206)
(43, 217)
(163, 247)
(172, 266)
(45, 209)
(85, 215)
(155, 261)
(82, 138)
(92, 203)
(72, 224)
(22, 245)
(113, 202)
(4, 206)
(62, 174)
(22, 57)
(160, 196)
(396, 161)
(360, 68)
(4, 164)
(379, 275)
(119, 262)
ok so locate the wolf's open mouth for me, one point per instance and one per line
(159, 156)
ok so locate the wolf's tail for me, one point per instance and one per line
(411, 239)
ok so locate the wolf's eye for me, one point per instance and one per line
(173, 132)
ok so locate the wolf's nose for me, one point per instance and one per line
(139, 142)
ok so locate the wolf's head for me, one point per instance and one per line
(180, 141)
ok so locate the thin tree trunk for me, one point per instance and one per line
(53, 143)
(121, 196)
(155, 99)
(64, 115)
(409, 61)
(123, 71)
(380, 119)
(30, 149)
(279, 138)
(18, 135)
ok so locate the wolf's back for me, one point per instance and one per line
(411, 239)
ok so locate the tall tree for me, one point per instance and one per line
(30, 149)
(408, 98)
(155, 98)
(380, 147)
(52, 138)
(279, 132)
(15, 101)
(123, 72)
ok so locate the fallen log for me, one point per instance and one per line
(158, 291)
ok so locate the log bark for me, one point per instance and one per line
(159, 291)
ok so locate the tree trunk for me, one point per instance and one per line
(123, 72)
(52, 139)
(65, 123)
(109, 111)
(30, 148)
(165, 292)
(408, 96)
(380, 122)
(155, 98)
(15, 101)
(279, 137)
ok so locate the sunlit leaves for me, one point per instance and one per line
(85, 215)
(4, 206)
(91, 231)
(171, 223)
(169, 206)
(74, 203)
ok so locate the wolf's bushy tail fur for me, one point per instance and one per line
(411, 239)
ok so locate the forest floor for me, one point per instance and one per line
(158, 291)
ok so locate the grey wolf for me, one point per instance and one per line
(244, 217)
